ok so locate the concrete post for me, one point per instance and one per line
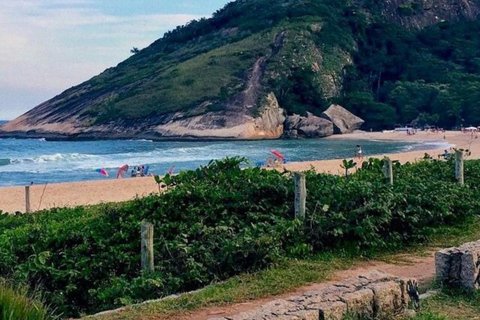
(459, 166)
(147, 246)
(27, 199)
(388, 170)
(300, 195)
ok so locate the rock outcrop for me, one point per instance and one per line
(229, 124)
(376, 295)
(225, 124)
(307, 127)
(270, 122)
(343, 120)
(459, 266)
(421, 13)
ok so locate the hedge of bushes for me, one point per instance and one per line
(222, 220)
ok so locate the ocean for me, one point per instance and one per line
(38, 161)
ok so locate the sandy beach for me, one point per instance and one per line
(94, 192)
(456, 138)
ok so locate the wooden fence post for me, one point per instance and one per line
(459, 166)
(147, 246)
(388, 170)
(27, 199)
(300, 195)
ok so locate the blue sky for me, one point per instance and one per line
(50, 45)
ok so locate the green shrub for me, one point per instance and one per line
(222, 220)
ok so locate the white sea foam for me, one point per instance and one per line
(141, 140)
(426, 145)
(53, 158)
(69, 162)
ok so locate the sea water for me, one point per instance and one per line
(39, 161)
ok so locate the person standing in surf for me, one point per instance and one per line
(359, 152)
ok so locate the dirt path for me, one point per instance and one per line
(420, 268)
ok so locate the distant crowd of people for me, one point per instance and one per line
(138, 171)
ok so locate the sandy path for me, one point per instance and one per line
(92, 192)
(420, 268)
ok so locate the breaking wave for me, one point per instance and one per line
(52, 158)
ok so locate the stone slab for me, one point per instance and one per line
(373, 294)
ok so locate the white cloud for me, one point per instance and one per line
(57, 45)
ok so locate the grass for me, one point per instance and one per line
(283, 277)
(188, 83)
(213, 67)
(450, 304)
(17, 305)
(289, 275)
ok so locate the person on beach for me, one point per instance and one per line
(358, 152)
(445, 155)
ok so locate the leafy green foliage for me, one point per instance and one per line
(213, 223)
(222, 220)
(347, 165)
(429, 76)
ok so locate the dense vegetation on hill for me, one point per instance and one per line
(222, 220)
(432, 75)
(211, 60)
(316, 52)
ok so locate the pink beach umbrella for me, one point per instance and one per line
(277, 154)
(102, 171)
(122, 170)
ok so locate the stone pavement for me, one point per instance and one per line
(373, 295)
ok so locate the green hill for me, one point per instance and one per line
(388, 62)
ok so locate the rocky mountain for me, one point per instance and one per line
(243, 72)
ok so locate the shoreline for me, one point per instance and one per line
(70, 194)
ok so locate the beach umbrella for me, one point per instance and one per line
(122, 170)
(471, 129)
(102, 171)
(277, 154)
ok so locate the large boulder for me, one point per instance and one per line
(343, 120)
(292, 122)
(270, 122)
(307, 127)
(459, 266)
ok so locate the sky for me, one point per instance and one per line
(49, 46)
